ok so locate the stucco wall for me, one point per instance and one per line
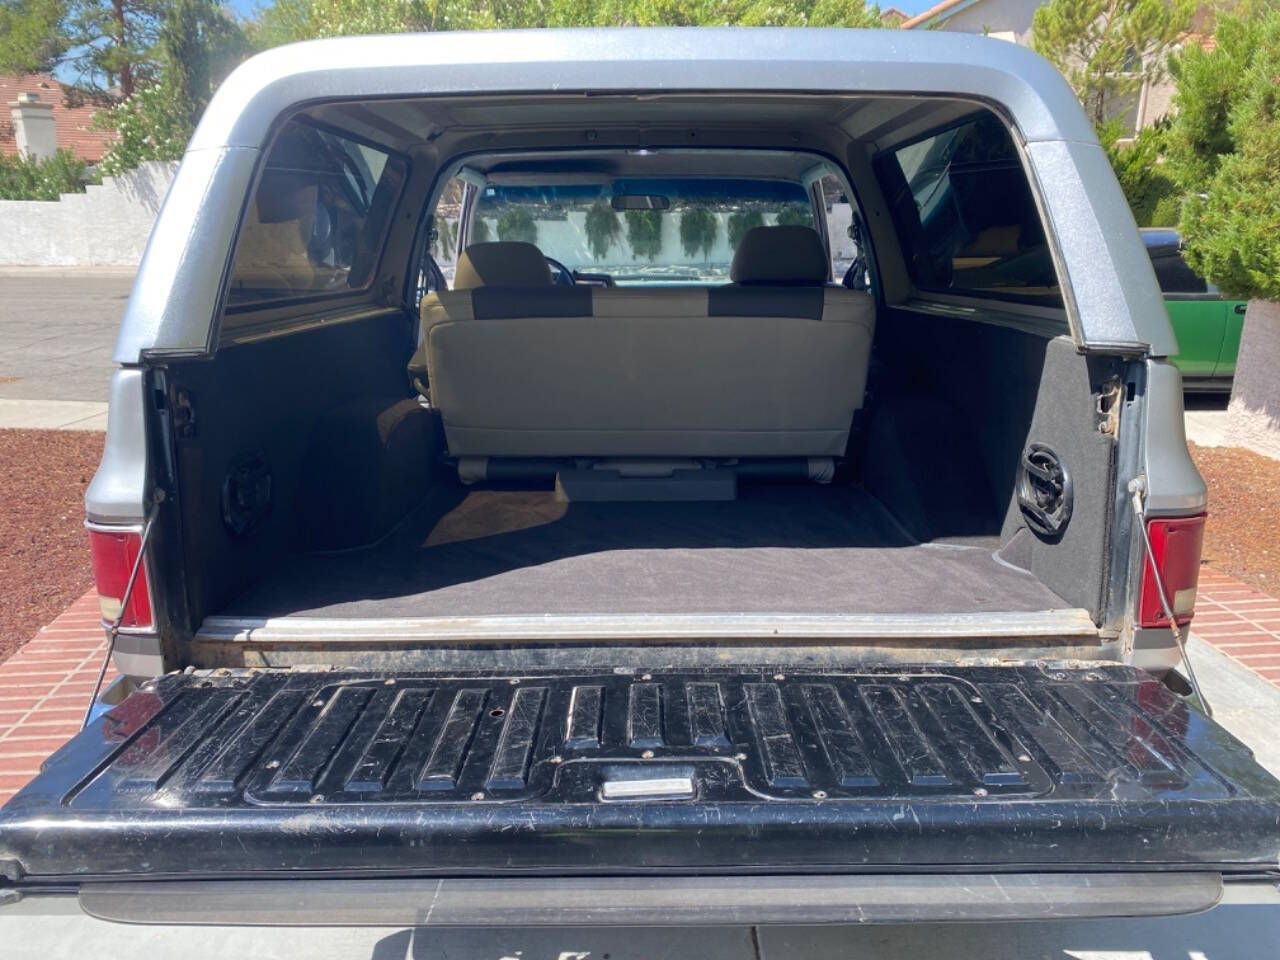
(107, 225)
(1253, 418)
(996, 16)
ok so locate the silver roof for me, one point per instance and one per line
(1113, 298)
(665, 59)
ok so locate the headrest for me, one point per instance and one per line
(501, 264)
(786, 256)
(282, 202)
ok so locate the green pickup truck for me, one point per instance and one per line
(1207, 325)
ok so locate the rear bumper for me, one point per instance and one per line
(1244, 925)
(669, 901)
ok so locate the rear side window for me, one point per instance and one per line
(316, 225)
(1174, 275)
(965, 215)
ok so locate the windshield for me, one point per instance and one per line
(687, 233)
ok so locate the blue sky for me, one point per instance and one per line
(246, 7)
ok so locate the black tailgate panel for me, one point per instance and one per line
(245, 773)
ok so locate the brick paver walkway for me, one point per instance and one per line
(1242, 622)
(44, 689)
(45, 686)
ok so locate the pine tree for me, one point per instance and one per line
(1228, 159)
(1107, 49)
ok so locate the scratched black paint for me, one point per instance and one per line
(253, 773)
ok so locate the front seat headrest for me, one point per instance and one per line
(505, 263)
(784, 256)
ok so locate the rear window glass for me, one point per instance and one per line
(966, 217)
(640, 231)
(316, 224)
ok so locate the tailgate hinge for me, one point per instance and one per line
(1107, 407)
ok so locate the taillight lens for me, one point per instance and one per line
(1176, 543)
(113, 553)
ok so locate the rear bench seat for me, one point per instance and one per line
(772, 365)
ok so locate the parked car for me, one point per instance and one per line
(1206, 324)
(655, 571)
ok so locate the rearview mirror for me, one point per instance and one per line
(641, 201)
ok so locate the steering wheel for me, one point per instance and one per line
(561, 275)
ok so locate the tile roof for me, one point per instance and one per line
(73, 125)
(929, 14)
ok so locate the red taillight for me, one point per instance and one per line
(1176, 543)
(113, 553)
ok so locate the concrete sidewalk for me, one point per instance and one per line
(1206, 428)
(52, 414)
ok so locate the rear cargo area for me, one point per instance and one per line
(790, 548)
(312, 488)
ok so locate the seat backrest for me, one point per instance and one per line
(503, 263)
(742, 370)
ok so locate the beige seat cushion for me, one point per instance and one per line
(773, 366)
(648, 372)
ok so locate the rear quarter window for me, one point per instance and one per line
(317, 221)
(965, 215)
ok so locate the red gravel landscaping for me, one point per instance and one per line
(1242, 536)
(44, 564)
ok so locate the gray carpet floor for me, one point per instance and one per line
(785, 548)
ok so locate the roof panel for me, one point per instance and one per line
(667, 60)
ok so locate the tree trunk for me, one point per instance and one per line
(126, 68)
(1253, 417)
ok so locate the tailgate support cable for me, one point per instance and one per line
(113, 630)
(1138, 488)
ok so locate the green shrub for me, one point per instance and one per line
(795, 215)
(742, 222)
(698, 229)
(1167, 211)
(602, 229)
(644, 233)
(22, 178)
(518, 224)
(480, 231)
(445, 245)
(1232, 229)
(1152, 193)
(150, 125)
(1207, 84)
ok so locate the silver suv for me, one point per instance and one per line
(567, 475)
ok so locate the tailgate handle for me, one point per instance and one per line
(650, 788)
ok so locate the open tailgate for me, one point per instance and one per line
(256, 774)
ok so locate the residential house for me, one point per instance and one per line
(72, 115)
(1011, 20)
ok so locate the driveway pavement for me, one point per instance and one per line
(58, 328)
